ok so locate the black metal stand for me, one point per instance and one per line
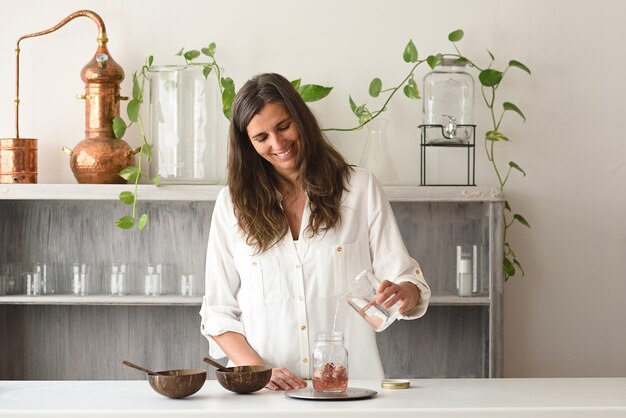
(429, 133)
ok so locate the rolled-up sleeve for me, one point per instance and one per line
(220, 310)
(390, 258)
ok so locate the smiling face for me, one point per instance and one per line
(275, 137)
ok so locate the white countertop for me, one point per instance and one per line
(558, 397)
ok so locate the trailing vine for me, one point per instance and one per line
(135, 173)
(490, 80)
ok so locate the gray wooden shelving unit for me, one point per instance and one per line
(63, 336)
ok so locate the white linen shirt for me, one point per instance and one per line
(280, 299)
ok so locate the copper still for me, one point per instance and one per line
(100, 156)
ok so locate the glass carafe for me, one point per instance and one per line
(376, 156)
(361, 295)
(330, 363)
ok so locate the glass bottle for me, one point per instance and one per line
(184, 116)
(449, 102)
(376, 157)
(330, 363)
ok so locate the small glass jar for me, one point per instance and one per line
(330, 363)
(449, 102)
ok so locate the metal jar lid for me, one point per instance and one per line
(395, 383)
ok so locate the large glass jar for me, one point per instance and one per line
(449, 102)
(184, 116)
(330, 363)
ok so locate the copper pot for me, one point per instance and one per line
(99, 160)
(18, 160)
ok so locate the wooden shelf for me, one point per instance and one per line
(209, 192)
(174, 300)
(101, 300)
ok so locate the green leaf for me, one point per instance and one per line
(127, 197)
(125, 222)
(376, 85)
(462, 61)
(157, 181)
(142, 222)
(519, 265)
(352, 105)
(133, 110)
(136, 87)
(150, 60)
(514, 108)
(517, 167)
(509, 268)
(491, 55)
(180, 52)
(455, 36)
(410, 52)
(206, 71)
(519, 218)
(410, 90)
(313, 92)
(119, 127)
(228, 95)
(519, 65)
(296, 83)
(490, 77)
(130, 174)
(507, 206)
(433, 60)
(364, 118)
(146, 149)
(495, 136)
(192, 55)
(210, 50)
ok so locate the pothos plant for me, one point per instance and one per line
(134, 174)
(490, 80)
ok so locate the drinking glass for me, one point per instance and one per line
(32, 283)
(187, 284)
(118, 279)
(80, 279)
(153, 284)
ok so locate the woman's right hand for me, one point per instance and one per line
(283, 379)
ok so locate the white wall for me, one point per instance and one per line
(566, 316)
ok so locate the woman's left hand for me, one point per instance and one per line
(391, 292)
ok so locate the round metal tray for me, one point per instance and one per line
(312, 394)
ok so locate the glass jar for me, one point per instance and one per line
(185, 112)
(330, 363)
(449, 102)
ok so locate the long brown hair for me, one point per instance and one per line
(322, 171)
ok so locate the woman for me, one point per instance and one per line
(294, 224)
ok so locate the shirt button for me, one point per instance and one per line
(339, 249)
(303, 327)
(305, 360)
(300, 298)
(254, 263)
(417, 271)
(298, 266)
